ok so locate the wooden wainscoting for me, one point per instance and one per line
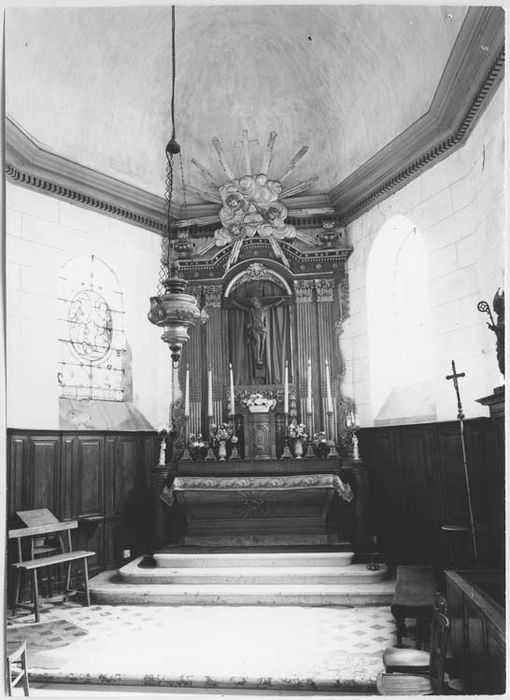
(100, 478)
(417, 484)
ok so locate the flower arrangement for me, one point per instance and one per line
(263, 400)
(222, 432)
(196, 441)
(320, 444)
(297, 430)
(319, 438)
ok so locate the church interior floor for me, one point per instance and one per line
(213, 650)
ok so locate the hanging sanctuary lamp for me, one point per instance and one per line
(173, 309)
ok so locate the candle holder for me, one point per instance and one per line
(234, 439)
(333, 454)
(186, 457)
(355, 447)
(162, 451)
(309, 450)
(286, 454)
(210, 456)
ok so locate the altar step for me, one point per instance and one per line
(311, 579)
(229, 559)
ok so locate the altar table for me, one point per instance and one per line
(259, 510)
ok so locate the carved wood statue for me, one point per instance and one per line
(257, 331)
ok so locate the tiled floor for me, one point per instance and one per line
(277, 648)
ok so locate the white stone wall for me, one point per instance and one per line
(458, 206)
(42, 234)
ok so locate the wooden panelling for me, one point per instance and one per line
(102, 479)
(417, 485)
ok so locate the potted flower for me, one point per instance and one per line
(320, 444)
(299, 434)
(197, 446)
(221, 434)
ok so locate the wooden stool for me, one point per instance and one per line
(16, 668)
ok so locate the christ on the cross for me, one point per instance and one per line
(257, 330)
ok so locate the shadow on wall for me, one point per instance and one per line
(100, 415)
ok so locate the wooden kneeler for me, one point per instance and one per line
(48, 525)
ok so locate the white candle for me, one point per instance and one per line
(186, 393)
(328, 388)
(309, 396)
(286, 389)
(232, 399)
(209, 392)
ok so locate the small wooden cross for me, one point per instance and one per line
(456, 375)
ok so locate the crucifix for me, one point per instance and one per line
(246, 144)
(460, 415)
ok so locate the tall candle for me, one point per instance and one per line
(328, 388)
(186, 393)
(232, 399)
(309, 395)
(286, 389)
(209, 392)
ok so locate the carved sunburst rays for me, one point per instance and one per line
(251, 203)
(211, 194)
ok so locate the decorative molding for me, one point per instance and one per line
(303, 289)
(257, 271)
(324, 289)
(472, 74)
(29, 164)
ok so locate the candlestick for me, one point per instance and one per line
(232, 399)
(209, 392)
(286, 389)
(186, 457)
(186, 393)
(328, 388)
(333, 454)
(309, 383)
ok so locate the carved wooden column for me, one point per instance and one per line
(324, 289)
(192, 353)
(306, 334)
(214, 353)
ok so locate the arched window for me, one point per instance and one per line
(92, 339)
(398, 314)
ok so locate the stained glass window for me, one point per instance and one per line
(92, 339)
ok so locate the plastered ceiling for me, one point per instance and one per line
(93, 84)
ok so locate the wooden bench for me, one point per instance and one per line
(414, 597)
(48, 525)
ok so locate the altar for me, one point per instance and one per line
(260, 510)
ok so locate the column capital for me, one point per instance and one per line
(212, 294)
(325, 289)
(303, 290)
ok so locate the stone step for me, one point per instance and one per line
(356, 573)
(255, 559)
(107, 589)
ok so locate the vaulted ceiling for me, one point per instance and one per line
(377, 92)
(93, 84)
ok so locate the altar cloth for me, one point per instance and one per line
(258, 483)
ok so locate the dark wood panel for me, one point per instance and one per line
(417, 484)
(88, 475)
(44, 474)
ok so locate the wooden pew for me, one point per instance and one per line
(47, 524)
(415, 590)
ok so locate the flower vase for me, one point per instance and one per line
(222, 450)
(298, 448)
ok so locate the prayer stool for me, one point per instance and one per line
(414, 597)
(16, 666)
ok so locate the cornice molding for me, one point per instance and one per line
(473, 72)
(31, 165)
